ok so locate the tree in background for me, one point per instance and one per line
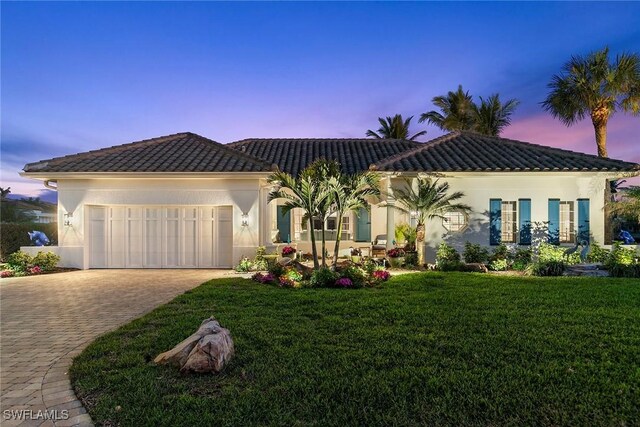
(592, 85)
(394, 128)
(456, 111)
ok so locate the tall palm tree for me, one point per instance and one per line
(456, 111)
(592, 85)
(427, 199)
(350, 193)
(304, 192)
(394, 128)
(492, 116)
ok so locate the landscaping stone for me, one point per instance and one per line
(476, 267)
(586, 270)
(209, 349)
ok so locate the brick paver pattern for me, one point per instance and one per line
(47, 320)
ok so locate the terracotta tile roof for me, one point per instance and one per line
(181, 152)
(293, 155)
(471, 152)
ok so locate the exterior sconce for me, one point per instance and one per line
(245, 219)
(67, 221)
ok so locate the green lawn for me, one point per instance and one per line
(423, 349)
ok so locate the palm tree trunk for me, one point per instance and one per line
(324, 247)
(599, 120)
(336, 248)
(420, 243)
(314, 250)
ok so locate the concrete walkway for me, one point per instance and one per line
(47, 320)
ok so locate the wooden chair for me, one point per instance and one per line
(379, 246)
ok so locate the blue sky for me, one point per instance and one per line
(79, 76)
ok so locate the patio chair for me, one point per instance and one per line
(379, 246)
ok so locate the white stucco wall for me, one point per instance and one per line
(75, 195)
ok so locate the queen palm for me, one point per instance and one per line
(456, 111)
(592, 85)
(350, 193)
(426, 200)
(492, 116)
(394, 128)
(304, 192)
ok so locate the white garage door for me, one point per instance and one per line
(160, 236)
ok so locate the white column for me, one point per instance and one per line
(391, 222)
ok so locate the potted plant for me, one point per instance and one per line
(289, 252)
(356, 255)
(396, 257)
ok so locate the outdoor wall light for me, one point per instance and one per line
(245, 219)
(67, 221)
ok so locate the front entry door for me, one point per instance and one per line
(363, 226)
(284, 225)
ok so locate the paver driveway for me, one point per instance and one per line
(46, 320)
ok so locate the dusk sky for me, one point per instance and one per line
(80, 76)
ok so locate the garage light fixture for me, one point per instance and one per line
(67, 221)
(245, 219)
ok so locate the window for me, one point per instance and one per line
(509, 218)
(346, 225)
(454, 221)
(298, 225)
(565, 225)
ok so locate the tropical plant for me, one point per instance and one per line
(492, 116)
(474, 253)
(394, 128)
(456, 111)
(427, 199)
(592, 85)
(349, 192)
(303, 192)
(628, 205)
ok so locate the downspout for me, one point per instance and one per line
(49, 186)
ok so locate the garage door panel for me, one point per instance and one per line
(160, 237)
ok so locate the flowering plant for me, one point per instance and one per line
(381, 275)
(7, 273)
(35, 270)
(264, 278)
(395, 253)
(344, 282)
(288, 251)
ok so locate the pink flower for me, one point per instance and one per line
(7, 273)
(288, 250)
(381, 275)
(35, 270)
(344, 282)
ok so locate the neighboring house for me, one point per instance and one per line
(40, 217)
(184, 201)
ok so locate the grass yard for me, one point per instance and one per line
(423, 349)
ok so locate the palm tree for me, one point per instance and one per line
(456, 111)
(492, 116)
(304, 192)
(350, 193)
(593, 86)
(428, 199)
(394, 128)
(322, 171)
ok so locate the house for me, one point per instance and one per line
(185, 201)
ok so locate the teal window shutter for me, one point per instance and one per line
(525, 221)
(554, 221)
(495, 221)
(583, 220)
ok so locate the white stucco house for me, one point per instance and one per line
(184, 201)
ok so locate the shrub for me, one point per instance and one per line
(474, 253)
(47, 261)
(35, 270)
(344, 282)
(288, 251)
(369, 266)
(548, 268)
(291, 278)
(20, 261)
(7, 273)
(499, 265)
(548, 252)
(597, 254)
(395, 253)
(264, 278)
(355, 274)
(323, 278)
(276, 269)
(446, 253)
(622, 262)
(14, 235)
(380, 276)
(522, 259)
(245, 265)
(410, 259)
(500, 252)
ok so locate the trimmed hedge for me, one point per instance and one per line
(13, 235)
